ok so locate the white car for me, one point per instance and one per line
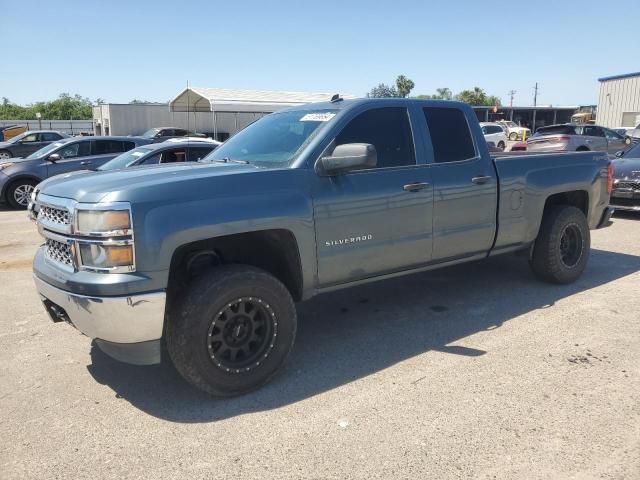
(514, 131)
(494, 133)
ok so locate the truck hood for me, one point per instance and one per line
(626, 168)
(118, 185)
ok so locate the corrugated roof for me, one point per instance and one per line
(617, 77)
(206, 99)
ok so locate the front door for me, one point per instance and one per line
(73, 156)
(374, 221)
(465, 187)
(615, 141)
(595, 138)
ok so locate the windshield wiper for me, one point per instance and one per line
(230, 160)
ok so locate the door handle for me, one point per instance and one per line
(86, 162)
(480, 180)
(415, 187)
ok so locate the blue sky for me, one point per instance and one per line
(120, 50)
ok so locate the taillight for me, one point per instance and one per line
(610, 178)
(563, 138)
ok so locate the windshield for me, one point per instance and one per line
(126, 159)
(275, 140)
(17, 138)
(45, 150)
(632, 152)
(150, 133)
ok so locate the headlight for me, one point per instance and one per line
(103, 256)
(5, 165)
(103, 221)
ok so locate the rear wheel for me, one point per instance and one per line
(561, 251)
(5, 155)
(19, 193)
(232, 331)
(582, 149)
(501, 145)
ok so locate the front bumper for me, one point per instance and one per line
(128, 328)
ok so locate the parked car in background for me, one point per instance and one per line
(518, 147)
(634, 134)
(514, 131)
(572, 137)
(171, 151)
(626, 183)
(19, 176)
(494, 132)
(29, 142)
(164, 133)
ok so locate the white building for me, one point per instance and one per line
(619, 101)
(216, 112)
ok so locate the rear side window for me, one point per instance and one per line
(102, 147)
(49, 137)
(450, 135)
(198, 153)
(387, 129)
(126, 146)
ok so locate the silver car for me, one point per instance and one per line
(573, 137)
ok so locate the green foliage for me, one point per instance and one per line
(382, 91)
(65, 107)
(477, 96)
(404, 85)
(441, 94)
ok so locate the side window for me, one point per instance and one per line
(179, 132)
(450, 135)
(387, 129)
(77, 149)
(165, 132)
(32, 137)
(175, 155)
(126, 146)
(611, 135)
(49, 137)
(152, 160)
(593, 131)
(103, 147)
(198, 153)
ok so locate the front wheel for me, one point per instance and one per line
(501, 145)
(19, 193)
(232, 331)
(561, 251)
(513, 136)
(5, 155)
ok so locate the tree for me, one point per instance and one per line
(65, 107)
(477, 96)
(441, 94)
(382, 91)
(404, 85)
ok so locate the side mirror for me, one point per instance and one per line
(54, 157)
(350, 156)
(619, 153)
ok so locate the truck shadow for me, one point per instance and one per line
(357, 332)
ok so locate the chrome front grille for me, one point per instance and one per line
(627, 184)
(59, 252)
(56, 216)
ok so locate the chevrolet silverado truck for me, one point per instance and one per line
(204, 262)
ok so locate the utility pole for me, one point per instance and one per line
(535, 104)
(511, 94)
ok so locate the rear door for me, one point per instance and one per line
(374, 221)
(465, 186)
(104, 150)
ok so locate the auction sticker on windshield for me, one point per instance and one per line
(318, 117)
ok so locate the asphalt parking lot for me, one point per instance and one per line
(476, 371)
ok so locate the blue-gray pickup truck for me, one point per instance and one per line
(203, 261)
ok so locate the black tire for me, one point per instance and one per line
(513, 136)
(582, 149)
(19, 193)
(210, 321)
(501, 145)
(5, 154)
(561, 251)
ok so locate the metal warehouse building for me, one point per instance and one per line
(216, 112)
(619, 101)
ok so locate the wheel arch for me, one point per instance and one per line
(13, 180)
(274, 250)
